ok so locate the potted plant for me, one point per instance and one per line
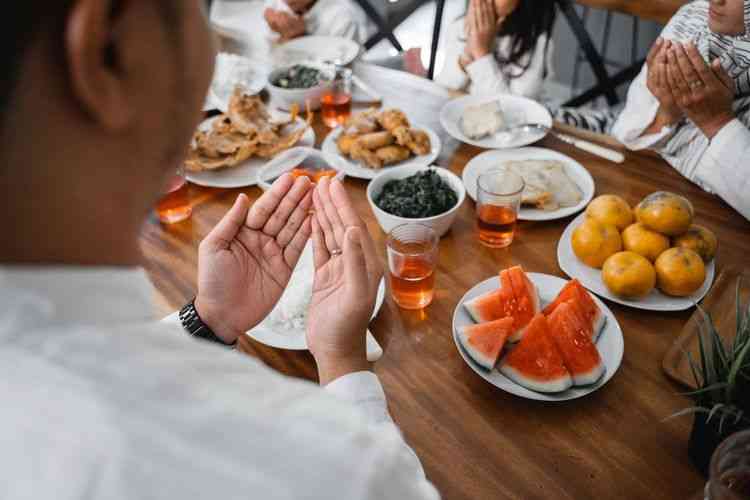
(721, 402)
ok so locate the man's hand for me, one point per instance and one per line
(245, 262)
(705, 93)
(347, 276)
(482, 27)
(299, 6)
(287, 25)
(657, 83)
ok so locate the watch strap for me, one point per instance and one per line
(194, 325)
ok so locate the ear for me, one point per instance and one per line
(92, 56)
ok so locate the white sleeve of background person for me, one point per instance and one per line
(640, 110)
(452, 76)
(725, 168)
(531, 81)
(486, 76)
(342, 18)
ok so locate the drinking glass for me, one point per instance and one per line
(336, 102)
(412, 260)
(730, 469)
(498, 202)
(174, 205)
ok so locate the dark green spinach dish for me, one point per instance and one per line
(424, 194)
(298, 77)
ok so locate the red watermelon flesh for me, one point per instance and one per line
(573, 290)
(524, 304)
(579, 353)
(485, 307)
(485, 341)
(536, 363)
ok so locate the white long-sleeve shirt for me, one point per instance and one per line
(719, 166)
(486, 76)
(99, 400)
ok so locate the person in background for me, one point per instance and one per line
(500, 46)
(691, 101)
(289, 19)
(101, 400)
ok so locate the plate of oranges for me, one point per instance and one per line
(651, 256)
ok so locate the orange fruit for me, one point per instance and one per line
(666, 213)
(629, 275)
(680, 272)
(699, 239)
(610, 209)
(643, 241)
(593, 242)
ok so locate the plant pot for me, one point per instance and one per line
(705, 438)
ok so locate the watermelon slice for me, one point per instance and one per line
(516, 298)
(573, 290)
(525, 305)
(535, 363)
(485, 341)
(579, 353)
(485, 307)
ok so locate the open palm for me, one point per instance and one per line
(347, 276)
(245, 263)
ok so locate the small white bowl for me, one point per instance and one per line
(284, 99)
(439, 223)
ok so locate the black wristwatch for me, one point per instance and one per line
(195, 326)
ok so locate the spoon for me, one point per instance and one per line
(595, 149)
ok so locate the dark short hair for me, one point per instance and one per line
(27, 19)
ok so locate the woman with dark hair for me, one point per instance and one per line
(500, 46)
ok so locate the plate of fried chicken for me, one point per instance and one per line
(229, 150)
(373, 140)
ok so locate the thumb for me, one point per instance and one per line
(355, 266)
(230, 224)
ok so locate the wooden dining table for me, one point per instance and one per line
(475, 440)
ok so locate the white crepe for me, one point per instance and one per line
(548, 186)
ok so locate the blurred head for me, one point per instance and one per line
(525, 22)
(100, 98)
(727, 17)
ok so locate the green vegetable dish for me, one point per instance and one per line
(298, 77)
(421, 195)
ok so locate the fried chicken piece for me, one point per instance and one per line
(369, 158)
(376, 140)
(345, 143)
(362, 123)
(391, 119)
(392, 154)
(420, 144)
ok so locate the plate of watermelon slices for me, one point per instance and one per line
(538, 336)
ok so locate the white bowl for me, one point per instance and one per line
(439, 223)
(285, 98)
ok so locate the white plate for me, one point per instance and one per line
(270, 334)
(592, 279)
(356, 169)
(246, 173)
(492, 159)
(318, 49)
(517, 110)
(610, 343)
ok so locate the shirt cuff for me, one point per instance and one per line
(721, 151)
(484, 67)
(363, 390)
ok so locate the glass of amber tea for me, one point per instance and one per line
(336, 102)
(498, 202)
(412, 261)
(174, 206)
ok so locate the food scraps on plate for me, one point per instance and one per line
(553, 349)
(379, 138)
(246, 130)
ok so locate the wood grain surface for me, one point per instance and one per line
(476, 441)
(654, 10)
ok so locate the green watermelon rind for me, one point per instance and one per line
(561, 384)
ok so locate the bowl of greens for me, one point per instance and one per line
(298, 84)
(426, 195)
